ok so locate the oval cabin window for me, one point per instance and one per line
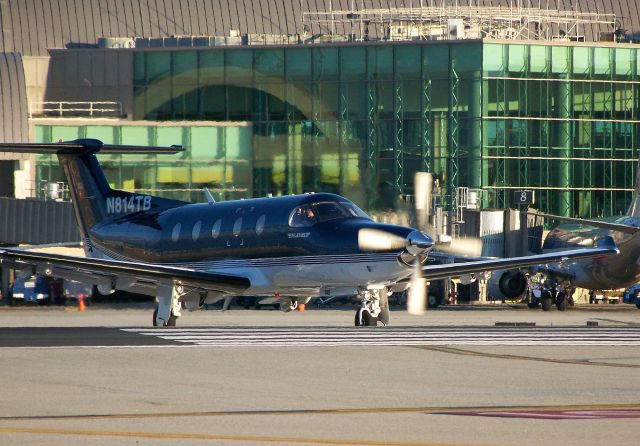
(215, 230)
(175, 235)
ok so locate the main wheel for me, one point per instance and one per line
(561, 302)
(364, 319)
(638, 306)
(547, 301)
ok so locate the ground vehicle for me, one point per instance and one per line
(36, 289)
(632, 295)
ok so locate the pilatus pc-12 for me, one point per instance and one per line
(285, 249)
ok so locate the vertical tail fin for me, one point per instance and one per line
(93, 199)
(634, 207)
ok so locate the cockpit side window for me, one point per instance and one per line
(354, 210)
(302, 216)
(330, 210)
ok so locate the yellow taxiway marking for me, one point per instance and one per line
(463, 352)
(345, 411)
(196, 436)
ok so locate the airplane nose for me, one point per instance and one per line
(418, 243)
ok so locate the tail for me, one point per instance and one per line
(93, 199)
(634, 208)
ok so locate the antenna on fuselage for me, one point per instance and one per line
(207, 194)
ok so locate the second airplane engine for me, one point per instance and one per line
(507, 284)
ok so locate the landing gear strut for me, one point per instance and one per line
(374, 307)
(168, 309)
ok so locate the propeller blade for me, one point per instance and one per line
(470, 247)
(422, 187)
(370, 239)
(417, 295)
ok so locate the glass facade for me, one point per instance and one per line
(358, 120)
(216, 156)
(361, 119)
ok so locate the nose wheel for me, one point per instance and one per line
(374, 307)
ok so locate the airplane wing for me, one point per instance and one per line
(111, 272)
(627, 229)
(606, 246)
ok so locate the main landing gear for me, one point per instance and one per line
(167, 311)
(374, 307)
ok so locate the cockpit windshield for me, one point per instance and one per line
(310, 214)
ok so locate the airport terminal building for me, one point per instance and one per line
(280, 97)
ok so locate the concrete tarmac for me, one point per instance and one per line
(163, 394)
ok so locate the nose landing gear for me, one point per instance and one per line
(374, 308)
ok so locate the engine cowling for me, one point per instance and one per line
(510, 284)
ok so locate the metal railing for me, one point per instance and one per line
(75, 108)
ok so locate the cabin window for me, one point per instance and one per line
(175, 235)
(237, 227)
(195, 233)
(302, 216)
(215, 230)
(260, 224)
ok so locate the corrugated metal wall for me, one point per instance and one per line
(33, 221)
(33, 26)
(14, 126)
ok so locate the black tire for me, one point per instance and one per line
(561, 302)
(368, 320)
(547, 301)
(364, 319)
(638, 306)
(155, 314)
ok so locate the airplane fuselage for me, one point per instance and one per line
(620, 271)
(257, 238)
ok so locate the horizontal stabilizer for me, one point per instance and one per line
(86, 146)
(626, 229)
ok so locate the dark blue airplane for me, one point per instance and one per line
(287, 249)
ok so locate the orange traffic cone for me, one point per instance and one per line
(301, 308)
(81, 306)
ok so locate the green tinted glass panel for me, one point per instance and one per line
(624, 58)
(211, 67)
(581, 59)
(239, 66)
(493, 59)
(538, 59)
(135, 135)
(435, 61)
(353, 63)
(167, 136)
(185, 67)
(325, 63)
(380, 62)
(64, 133)
(102, 132)
(238, 142)
(269, 65)
(517, 58)
(298, 62)
(158, 65)
(139, 69)
(559, 59)
(467, 57)
(602, 60)
(408, 63)
(205, 142)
